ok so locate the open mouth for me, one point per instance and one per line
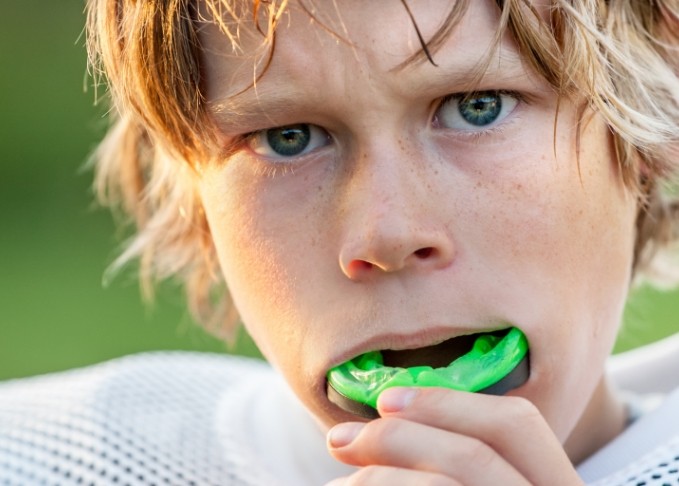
(438, 355)
(492, 362)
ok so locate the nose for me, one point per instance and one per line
(395, 220)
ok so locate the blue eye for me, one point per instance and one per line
(288, 141)
(480, 110)
(469, 112)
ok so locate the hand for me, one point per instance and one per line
(434, 436)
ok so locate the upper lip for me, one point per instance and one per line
(404, 341)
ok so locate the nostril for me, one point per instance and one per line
(424, 252)
(357, 266)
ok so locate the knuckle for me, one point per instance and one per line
(439, 480)
(384, 430)
(479, 453)
(366, 475)
(436, 395)
(522, 411)
(380, 475)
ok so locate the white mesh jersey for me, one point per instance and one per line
(646, 454)
(159, 419)
(197, 419)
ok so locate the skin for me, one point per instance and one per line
(399, 229)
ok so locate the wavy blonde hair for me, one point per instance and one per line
(622, 55)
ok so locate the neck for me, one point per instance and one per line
(604, 418)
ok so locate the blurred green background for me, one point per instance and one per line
(55, 245)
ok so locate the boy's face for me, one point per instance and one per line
(390, 215)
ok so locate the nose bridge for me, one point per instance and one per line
(391, 221)
(386, 186)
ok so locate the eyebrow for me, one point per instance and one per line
(246, 110)
(260, 106)
(503, 64)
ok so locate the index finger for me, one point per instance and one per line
(512, 426)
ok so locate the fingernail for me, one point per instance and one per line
(343, 434)
(395, 399)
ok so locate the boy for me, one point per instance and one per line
(383, 176)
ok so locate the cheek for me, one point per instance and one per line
(563, 269)
(258, 242)
(246, 258)
(565, 219)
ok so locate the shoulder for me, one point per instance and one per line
(143, 416)
(646, 453)
(145, 368)
(648, 369)
(129, 387)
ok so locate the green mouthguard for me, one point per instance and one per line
(492, 358)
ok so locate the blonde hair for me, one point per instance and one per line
(622, 55)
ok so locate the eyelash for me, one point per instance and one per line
(274, 169)
(264, 168)
(458, 96)
(477, 136)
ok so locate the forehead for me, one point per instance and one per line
(351, 39)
